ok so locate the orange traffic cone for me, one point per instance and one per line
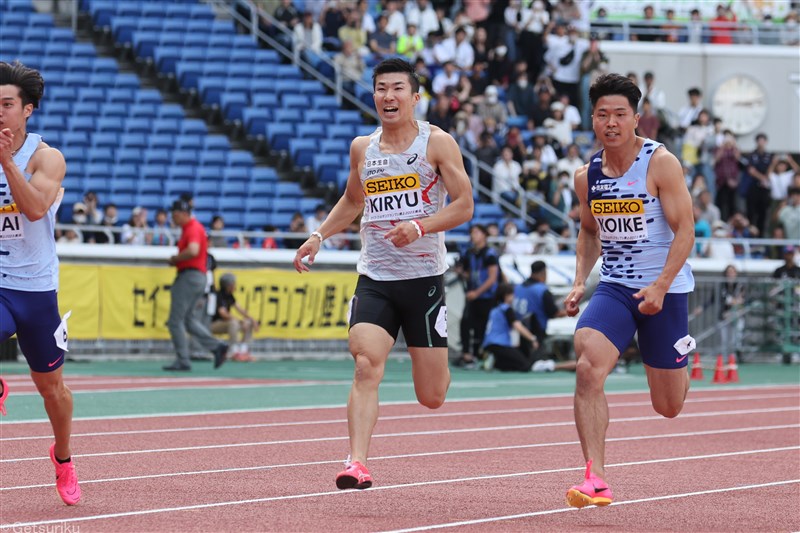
(719, 371)
(733, 370)
(697, 368)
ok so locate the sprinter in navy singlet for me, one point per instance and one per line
(636, 213)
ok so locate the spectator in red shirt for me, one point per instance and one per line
(188, 287)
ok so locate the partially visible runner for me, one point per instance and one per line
(636, 212)
(399, 177)
(31, 173)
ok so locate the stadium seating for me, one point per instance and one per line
(123, 140)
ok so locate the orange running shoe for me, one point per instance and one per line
(66, 479)
(354, 476)
(593, 491)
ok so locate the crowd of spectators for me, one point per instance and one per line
(508, 79)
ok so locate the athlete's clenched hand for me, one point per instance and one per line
(402, 234)
(652, 300)
(308, 249)
(573, 300)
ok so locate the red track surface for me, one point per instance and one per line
(23, 384)
(730, 462)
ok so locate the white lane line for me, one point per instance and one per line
(420, 484)
(567, 509)
(189, 386)
(422, 454)
(435, 432)
(425, 416)
(723, 388)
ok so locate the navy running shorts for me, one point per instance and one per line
(41, 333)
(614, 312)
(416, 305)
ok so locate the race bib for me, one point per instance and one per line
(61, 334)
(11, 223)
(620, 220)
(393, 198)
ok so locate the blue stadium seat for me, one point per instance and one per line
(133, 140)
(299, 101)
(334, 146)
(214, 158)
(81, 123)
(288, 115)
(126, 156)
(157, 156)
(207, 188)
(263, 174)
(286, 205)
(236, 174)
(110, 124)
(254, 119)
(288, 189)
(194, 126)
(232, 105)
(235, 188)
(153, 171)
(317, 116)
(341, 131)
(216, 143)
(347, 116)
(184, 157)
(310, 131)
(278, 134)
(326, 166)
(240, 158)
(258, 205)
(100, 155)
(302, 151)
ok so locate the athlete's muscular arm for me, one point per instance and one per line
(34, 197)
(676, 201)
(344, 212)
(445, 156)
(588, 246)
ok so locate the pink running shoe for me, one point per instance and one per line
(593, 491)
(3, 396)
(354, 476)
(66, 479)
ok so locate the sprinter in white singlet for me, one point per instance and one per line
(636, 213)
(399, 177)
(31, 173)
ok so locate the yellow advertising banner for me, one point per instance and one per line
(79, 292)
(132, 302)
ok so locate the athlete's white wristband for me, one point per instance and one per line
(416, 227)
(318, 235)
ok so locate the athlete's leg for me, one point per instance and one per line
(596, 358)
(431, 375)
(370, 346)
(665, 344)
(668, 388)
(58, 404)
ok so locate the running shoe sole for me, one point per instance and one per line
(346, 481)
(576, 498)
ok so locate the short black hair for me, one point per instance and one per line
(29, 81)
(538, 267)
(615, 84)
(395, 64)
(480, 227)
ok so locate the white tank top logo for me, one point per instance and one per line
(393, 198)
(620, 220)
(11, 223)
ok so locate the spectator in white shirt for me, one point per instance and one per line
(544, 242)
(423, 15)
(557, 126)
(570, 163)
(506, 172)
(396, 20)
(517, 242)
(690, 111)
(571, 113)
(308, 34)
(447, 77)
(457, 49)
(656, 96)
